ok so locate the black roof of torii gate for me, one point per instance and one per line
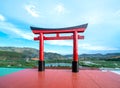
(66, 28)
(79, 28)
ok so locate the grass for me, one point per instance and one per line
(101, 63)
(84, 63)
(18, 63)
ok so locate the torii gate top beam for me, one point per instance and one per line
(79, 28)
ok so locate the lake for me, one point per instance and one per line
(58, 64)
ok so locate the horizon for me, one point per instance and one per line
(101, 35)
(59, 53)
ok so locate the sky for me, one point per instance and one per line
(101, 36)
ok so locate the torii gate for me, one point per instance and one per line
(75, 30)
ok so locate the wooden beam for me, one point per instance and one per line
(59, 38)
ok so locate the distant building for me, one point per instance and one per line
(34, 58)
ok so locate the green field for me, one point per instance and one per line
(84, 63)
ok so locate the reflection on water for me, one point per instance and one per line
(114, 70)
(57, 64)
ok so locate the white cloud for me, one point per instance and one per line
(59, 9)
(53, 51)
(93, 47)
(12, 30)
(82, 46)
(2, 18)
(31, 9)
(117, 13)
(60, 42)
(93, 17)
(92, 20)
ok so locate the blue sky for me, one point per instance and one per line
(101, 36)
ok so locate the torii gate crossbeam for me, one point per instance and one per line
(75, 30)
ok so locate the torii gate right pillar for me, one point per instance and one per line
(75, 63)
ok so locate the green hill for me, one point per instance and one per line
(21, 53)
(21, 57)
(10, 55)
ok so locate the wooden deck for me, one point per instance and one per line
(53, 78)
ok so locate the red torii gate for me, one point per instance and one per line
(75, 30)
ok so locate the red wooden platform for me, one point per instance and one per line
(53, 78)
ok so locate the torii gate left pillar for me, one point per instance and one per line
(75, 30)
(41, 62)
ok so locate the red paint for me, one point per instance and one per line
(59, 38)
(75, 46)
(53, 78)
(57, 35)
(41, 51)
(58, 31)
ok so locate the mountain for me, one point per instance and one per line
(8, 55)
(49, 55)
(25, 52)
(17, 52)
(85, 55)
(96, 56)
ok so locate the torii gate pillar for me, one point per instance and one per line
(75, 63)
(41, 62)
(75, 30)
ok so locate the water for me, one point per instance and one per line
(117, 72)
(6, 71)
(58, 64)
(114, 70)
